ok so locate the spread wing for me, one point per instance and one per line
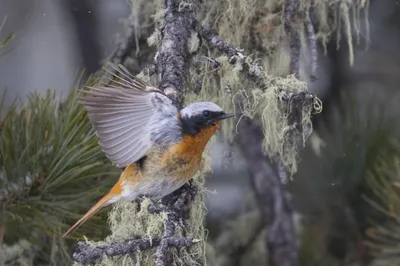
(123, 113)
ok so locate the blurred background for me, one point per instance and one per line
(346, 193)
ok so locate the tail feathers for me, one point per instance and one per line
(101, 203)
(114, 192)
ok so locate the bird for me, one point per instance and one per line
(157, 146)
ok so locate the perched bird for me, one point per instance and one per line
(140, 130)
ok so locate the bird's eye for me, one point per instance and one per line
(206, 113)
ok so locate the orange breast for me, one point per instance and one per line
(183, 159)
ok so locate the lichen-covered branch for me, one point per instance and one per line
(211, 36)
(236, 55)
(171, 67)
(176, 206)
(173, 54)
(89, 254)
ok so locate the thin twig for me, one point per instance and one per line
(313, 44)
(211, 36)
(293, 35)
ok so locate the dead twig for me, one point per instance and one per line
(293, 35)
(313, 44)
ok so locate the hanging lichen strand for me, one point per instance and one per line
(261, 30)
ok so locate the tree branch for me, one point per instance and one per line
(211, 36)
(293, 35)
(313, 44)
(173, 54)
(177, 206)
(252, 71)
(171, 66)
(271, 198)
(89, 254)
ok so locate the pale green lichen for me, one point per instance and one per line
(233, 20)
(267, 106)
(256, 102)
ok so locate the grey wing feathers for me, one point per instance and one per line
(121, 115)
(124, 79)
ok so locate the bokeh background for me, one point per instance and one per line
(349, 170)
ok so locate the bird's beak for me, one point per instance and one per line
(225, 116)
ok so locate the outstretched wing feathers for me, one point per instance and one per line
(125, 79)
(120, 115)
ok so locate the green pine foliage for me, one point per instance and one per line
(6, 40)
(52, 170)
(332, 185)
(384, 236)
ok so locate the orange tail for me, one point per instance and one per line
(89, 214)
(115, 191)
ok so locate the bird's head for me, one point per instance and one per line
(201, 116)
